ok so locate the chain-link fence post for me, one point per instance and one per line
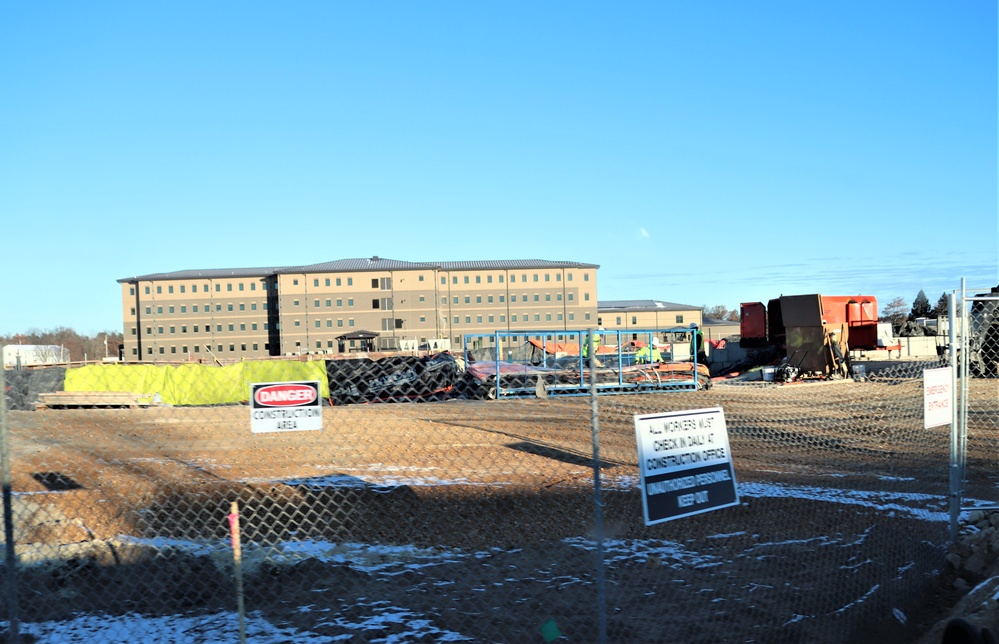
(10, 560)
(598, 528)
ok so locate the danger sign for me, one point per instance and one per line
(285, 406)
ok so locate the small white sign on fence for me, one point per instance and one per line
(938, 395)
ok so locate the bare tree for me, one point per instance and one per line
(719, 312)
(895, 311)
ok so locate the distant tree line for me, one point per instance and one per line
(80, 346)
(720, 312)
(895, 310)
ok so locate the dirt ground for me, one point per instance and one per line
(512, 482)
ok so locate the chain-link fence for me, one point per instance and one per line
(169, 517)
(977, 332)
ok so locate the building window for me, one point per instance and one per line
(327, 281)
(350, 322)
(232, 348)
(295, 303)
(586, 277)
(478, 319)
(443, 282)
(679, 319)
(242, 327)
(149, 310)
(298, 323)
(241, 286)
(329, 303)
(183, 309)
(339, 302)
(350, 301)
(159, 290)
(423, 319)
(194, 309)
(242, 307)
(183, 329)
(316, 304)
(315, 282)
(230, 328)
(338, 281)
(468, 300)
(159, 309)
(490, 319)
(634, 320)
(339, 323)
(548, 317)
(350, 282)
(253, 327)
(229, 307)
(294, 282)
(253, 306)
(218, 307)
(586, 297)
(513, 318)
(318, 323)
(228, 286)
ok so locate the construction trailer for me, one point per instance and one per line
(17, 356)
(798, 327)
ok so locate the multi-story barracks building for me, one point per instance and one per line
(348, 304)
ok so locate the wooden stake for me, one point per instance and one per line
(237, 558)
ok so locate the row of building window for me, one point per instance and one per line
(182, 288)
(207, 308)
(196, 348)
(513, 278)
(634, 320)
(384, 283)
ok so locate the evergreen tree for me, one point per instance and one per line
(920, 306)
(940, 310)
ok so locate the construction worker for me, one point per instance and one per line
(697, 344)
(649, 354)
(840, 365)
(596, 346)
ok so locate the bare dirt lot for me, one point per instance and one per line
(839, 535)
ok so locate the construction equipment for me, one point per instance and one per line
(983, 335)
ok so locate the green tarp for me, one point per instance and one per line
(194, 384)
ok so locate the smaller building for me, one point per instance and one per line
(624, 315)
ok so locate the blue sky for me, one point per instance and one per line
(700, 153)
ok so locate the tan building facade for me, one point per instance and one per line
(231, 314)
(623, 315)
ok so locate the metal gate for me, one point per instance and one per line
(974, 359)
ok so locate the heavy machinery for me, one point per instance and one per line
(983, 335)
(798, 327)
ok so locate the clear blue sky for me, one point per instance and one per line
(699, 152)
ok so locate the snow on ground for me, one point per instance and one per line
(224, 626)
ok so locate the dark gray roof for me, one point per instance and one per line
(211, 273)
(510, 264)
(717, 322)
(643, 305)
(360, 264)
(353, 265)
